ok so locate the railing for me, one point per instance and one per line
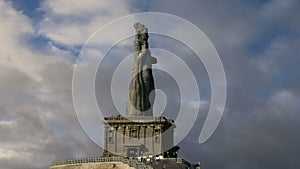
(131, 162)
(86, 160)
(136, 118)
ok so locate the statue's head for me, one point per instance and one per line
(138, 25)
(140, 28)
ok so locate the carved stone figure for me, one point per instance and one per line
(142, 83)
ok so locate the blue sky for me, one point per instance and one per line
(258, 44)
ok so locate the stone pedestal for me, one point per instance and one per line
(138, 135)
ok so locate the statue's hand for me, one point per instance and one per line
(153, 60)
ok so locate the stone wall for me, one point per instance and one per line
(147, 134)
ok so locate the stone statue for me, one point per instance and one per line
(142, 83)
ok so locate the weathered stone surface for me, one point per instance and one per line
(102, 165)
(142, 84)
(146, 135)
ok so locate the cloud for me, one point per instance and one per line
(284, 100)
(14, 26)
(259, 80)
(90, 7)
(259, 126)
(71, 23)
(277, 8)
(36, 102)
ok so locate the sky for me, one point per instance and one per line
(257, 41)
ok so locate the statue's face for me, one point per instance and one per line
(139, 27)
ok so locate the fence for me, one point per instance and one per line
(131, 162)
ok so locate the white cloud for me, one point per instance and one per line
(7, 153)
(5, 123)
(284, 102)
(277, 7)
(35, 98)
(14, 25)
(76, 7)
(276, 56)
(37, 115)
(15, 52)
(72, 22)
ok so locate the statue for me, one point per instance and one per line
(142, 83)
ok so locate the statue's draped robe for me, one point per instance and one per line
(142, 83)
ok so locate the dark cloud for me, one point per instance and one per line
(256, 131)
(38, 124)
